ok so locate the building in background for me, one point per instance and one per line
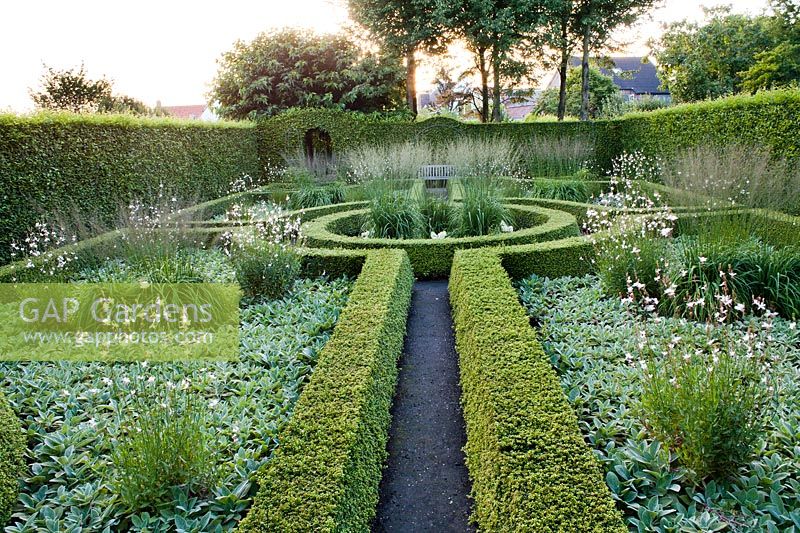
(635, 76)
(196, 112)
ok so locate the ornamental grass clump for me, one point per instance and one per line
(486, 158)
(555, 156)
(439, 214)
(387, 161)
(393, 214)
(569, 190)
(481, 211)
(735, 175)
(165, 443)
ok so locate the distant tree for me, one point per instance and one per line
(559, 37)
(296, 68)
(451, 93)
(500, 35)
(780, 65)
(700, 61)
(601, 90)
(596, 20)
(404, 28)
(70, 90)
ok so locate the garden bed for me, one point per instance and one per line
(589, 340)
(76, 414)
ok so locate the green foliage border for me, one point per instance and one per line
(326, 472)
(530, 467)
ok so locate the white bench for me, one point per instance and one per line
(436, 176)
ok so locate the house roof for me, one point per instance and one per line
(185, 111)
(635, 74)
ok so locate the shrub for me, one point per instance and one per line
(265, 269)
(12, 458)
(264, 256)
(530, 468)
(708, 407)
(325, 474)
(163, 445)
(93, 163)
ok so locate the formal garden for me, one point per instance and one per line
(624, 293)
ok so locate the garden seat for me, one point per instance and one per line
(436, 176)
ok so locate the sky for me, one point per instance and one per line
(167, 50)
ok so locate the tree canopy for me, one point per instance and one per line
(404, 28)
(601, 90)
(73, 90)
(295, 68)
(727, 54)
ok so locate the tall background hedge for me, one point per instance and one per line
(55, 162)
(93, 164)
(767, 119)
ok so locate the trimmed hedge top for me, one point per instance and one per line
(432, 258)
(530, 467)
(325, 474)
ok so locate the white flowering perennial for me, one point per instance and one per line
(40, 248)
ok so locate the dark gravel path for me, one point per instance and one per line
(425, 484)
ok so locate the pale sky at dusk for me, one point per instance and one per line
(167, 50)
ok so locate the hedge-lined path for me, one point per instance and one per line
(425, 485)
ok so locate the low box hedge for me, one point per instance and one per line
(325, 473)
(12, 459)
(530, 467)
(432, 258)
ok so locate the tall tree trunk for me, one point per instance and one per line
(484, 84)
(585, 74)
(411, 80)
(496, 116)
(562, 70)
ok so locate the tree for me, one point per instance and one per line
(70, 90)
(404, 27)
(601, 90)
(697, 62)
(500, 35)
(779, 66)
(597, 20)
(295, 68)
(560, 34)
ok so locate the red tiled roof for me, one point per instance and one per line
(185, 111)
(520, 111)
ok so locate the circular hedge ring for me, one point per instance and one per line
(432, 258)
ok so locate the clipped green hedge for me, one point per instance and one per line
(766, 119)
(12, 459)
(530, 467)
(325, 474)
(61, 162)
(284, 134)
(553, 259)
(432, 258)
